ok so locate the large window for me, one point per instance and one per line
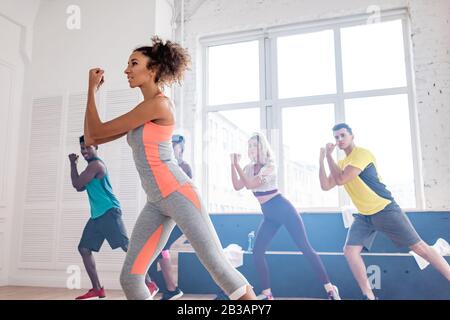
(296, 83)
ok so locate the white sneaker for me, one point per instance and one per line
(263, 296)
(334, 294)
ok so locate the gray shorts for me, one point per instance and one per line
(108, 226)
(391, 221)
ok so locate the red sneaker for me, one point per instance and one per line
(93, 294)
(153, 288)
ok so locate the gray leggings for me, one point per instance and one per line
(152, 230)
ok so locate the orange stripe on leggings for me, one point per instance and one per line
(142, 261)
(187, 191)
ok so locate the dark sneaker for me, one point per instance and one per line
(172, 295)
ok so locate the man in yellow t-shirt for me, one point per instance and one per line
(378, 210)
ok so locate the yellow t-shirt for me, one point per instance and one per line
(367, 192)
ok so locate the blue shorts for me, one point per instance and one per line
(391, 221)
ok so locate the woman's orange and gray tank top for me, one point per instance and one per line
(155, 161)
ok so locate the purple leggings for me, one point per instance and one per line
(277, 212)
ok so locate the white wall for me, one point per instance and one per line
(49, 213)
(16, 28)
(430, 37)
(164, 17)
(109, 31)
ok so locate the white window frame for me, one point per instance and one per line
(271, 106)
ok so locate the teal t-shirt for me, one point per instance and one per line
(101, 196)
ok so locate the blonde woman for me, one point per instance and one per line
(260, 176)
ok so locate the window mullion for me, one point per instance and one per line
(339, 105)
(272, 108)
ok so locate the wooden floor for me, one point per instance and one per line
(45, 293)
(39, 293)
